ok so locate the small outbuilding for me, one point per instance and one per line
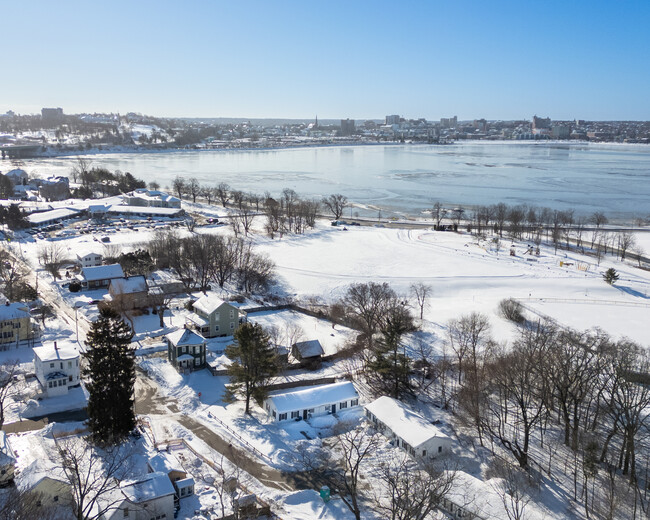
(304, 403)
(128, 293)
(307, 351)
(407, 429)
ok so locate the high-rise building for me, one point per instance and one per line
(449, 122)
(347, 126)
(539, 123)
(52, 115)
(392, 120)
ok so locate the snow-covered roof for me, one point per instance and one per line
(185, 357)
(184, 482)
(130, 285)
(161, 277)
(181, 337)
(151, 486)
(162, 463)
(62, 351)
(410, 426)
(13, 311)
(150, 210)
(209, 303)
(37, 471)
(102, 272)
(54, 214)
(313, 396)
(309, 348)
(199, 320)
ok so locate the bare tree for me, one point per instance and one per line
(413, 493)
(8, 384)
(223, 192)
(515, 489)
(27, 505)
(336, 204)
(193, 188)
(178, 185)
(366, 304)
(355, 446)
(626, 241)
(12, 272)
(598, 219)
(243, 219)
(438, 213)
(93, 475)
(80, 169)
(159, 301)
(53, 257)
(421, 291)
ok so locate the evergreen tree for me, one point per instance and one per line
(111, 370)
(253, 363)
(611, 276)
(389, 367)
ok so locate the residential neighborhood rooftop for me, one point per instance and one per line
(62, 350)
(313, 396)
(102, 272)
(404, 422)
(182, 337)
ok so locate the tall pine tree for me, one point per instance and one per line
(253, 363)
(111, 371)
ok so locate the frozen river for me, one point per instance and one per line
(406, 179)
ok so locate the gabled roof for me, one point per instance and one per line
(311, 348)
(102, 272)
(313, 396)
(161, 462)
(410, 426)
(14, 311)
(63, 351)
(182, 337)
(36, 472)
(130, 285)
(209, 303)
(149, 487)
(83, 252)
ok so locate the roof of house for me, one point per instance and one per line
(149, 210)
(313, 396)
(209, 303)
(130, 285)
(410, 426)
(12, 311)
(40, 469)
(311, 348)
(181, 337)
(149, 487)
(102, 272)
(62, 351)
(184, 482)
(162, 462)
(54, 214)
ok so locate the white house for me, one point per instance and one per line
(147, 498)
(151, 198)
(7, 460)
(406, 428)
(87, 258)
(57, 367)
(312, 401)
(100, 276)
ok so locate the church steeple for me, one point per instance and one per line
(316, 123)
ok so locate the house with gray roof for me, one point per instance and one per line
(186, 349)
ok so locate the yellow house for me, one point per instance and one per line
(15, 323)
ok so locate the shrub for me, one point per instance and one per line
(74, 286)
(512, 310)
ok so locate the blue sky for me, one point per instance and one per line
(357, 59)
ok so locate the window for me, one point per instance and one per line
(282, 417)
(49, 384)
(51, 365)
(126, 512)
(354, 402)
(439, 449)
(56, 498)
(424, 453)
(344, 404)
(295, 414)
(274, 414)
(197, 362)
(232, 325)
(69, 364)
(232, 314)
(216, 327)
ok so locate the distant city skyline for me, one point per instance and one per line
(338, 60)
